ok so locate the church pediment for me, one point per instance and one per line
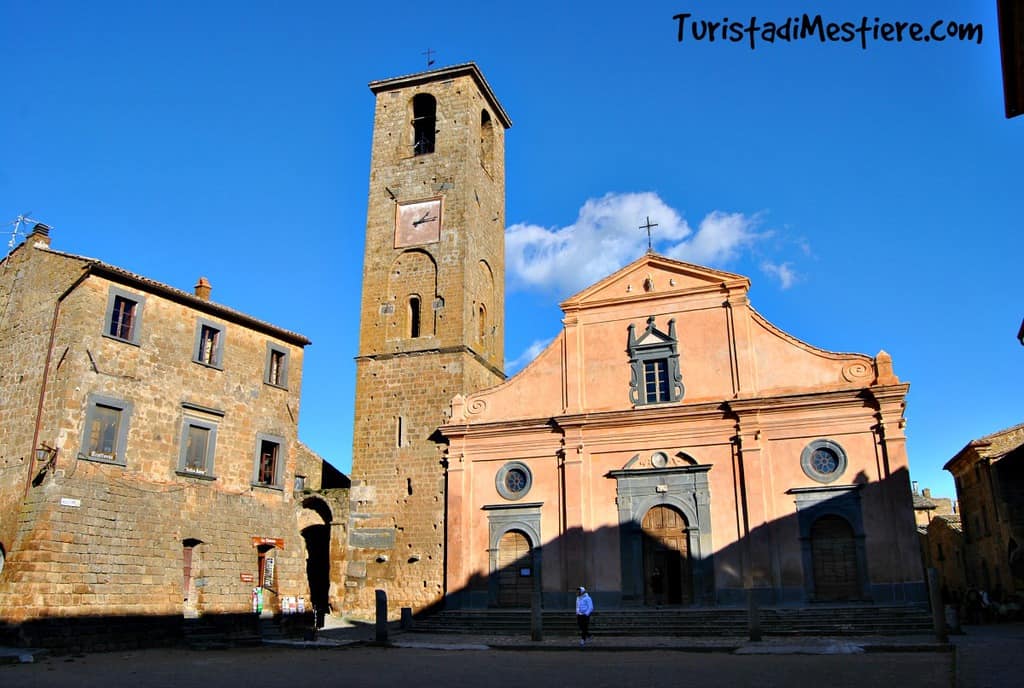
(659, 460)
(654, 275)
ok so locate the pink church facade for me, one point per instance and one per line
(673, 447)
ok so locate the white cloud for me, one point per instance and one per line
(606, 236)
(531, 352)
(783, 272)
(719, 239)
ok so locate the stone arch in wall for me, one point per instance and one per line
(486, 328)
(486, 142)
(683, 489)
(667, 574)
(424, 123)
(315, 525)
(412, 283)
(832, 550)
(515, 554)
(191, 577)
(834, 559)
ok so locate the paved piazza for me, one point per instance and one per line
(369, 667)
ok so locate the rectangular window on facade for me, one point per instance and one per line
(209, 345)
(106, 429)
(656, 380)
(276, 366)
(123, 316)
(269, 461)
(198, 443)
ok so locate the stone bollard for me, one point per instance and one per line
(382, 616)
(753, 616)
(536, 617)
(938, 611)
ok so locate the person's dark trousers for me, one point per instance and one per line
(583, 621)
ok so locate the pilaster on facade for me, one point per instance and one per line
(743, 362)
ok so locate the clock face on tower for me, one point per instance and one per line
(418, 223)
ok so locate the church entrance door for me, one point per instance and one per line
(667, 576)
(515, 570)
(834, 553)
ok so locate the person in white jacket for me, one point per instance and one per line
(584, 608)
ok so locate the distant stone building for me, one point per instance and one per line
(148, 449)
(926, 507)
(989, 477)
(944, 543)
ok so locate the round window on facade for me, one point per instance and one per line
(823, 460)
(513, 480)
(659, 459)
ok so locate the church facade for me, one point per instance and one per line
(671, 446)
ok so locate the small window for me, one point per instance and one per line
(123, 316)
(654, 365)
(482, 322)
(276, 366)
(209, 346)
(414, 316)
(198, 442)
(656, 387)
(823, 460)
(424, 120)
(269, 460)
(106, 430)
(513, 480)
(486, 141)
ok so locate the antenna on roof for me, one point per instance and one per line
(430, 56)
(22, 219)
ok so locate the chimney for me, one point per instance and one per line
(927, 492)
(203, 289)
(913, 486)
(40, 235)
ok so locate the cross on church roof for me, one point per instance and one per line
(649, 226)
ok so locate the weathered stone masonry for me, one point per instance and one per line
(134, 528)
(407, 374)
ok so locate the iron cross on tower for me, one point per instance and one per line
(649, 226)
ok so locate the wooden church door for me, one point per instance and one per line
(515, 570)
(834, 555)
(667, 577)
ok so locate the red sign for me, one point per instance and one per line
(246, 577)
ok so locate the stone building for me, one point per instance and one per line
(148, 450)
(944, 543)
(927, 506)
(671, 446)
(431, 321)
(989, 477)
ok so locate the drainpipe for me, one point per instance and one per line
(46, 374)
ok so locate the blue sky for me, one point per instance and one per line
(873, 196)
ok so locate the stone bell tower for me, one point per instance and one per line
(431, 320)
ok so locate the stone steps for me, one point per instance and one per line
(890, 620)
